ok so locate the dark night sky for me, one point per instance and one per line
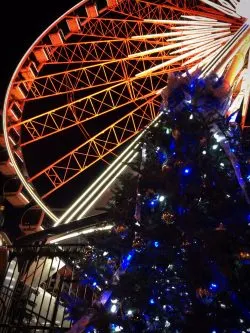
(21, 23)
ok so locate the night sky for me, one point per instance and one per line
(21, 23)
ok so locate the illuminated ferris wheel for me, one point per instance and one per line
(90, 84)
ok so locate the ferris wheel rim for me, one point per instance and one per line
(27, 186)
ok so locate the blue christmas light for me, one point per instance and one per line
(116, 328)
(152, 203)
(156, 244)
(94, 284)
(126, 260)
(213, 286)
(248, 178)
(129, 257)
(187, 171)
(152, 301)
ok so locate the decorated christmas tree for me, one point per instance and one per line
(178, 257)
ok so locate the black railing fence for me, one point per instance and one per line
(33, 280)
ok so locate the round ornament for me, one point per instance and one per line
(168, 217)
(121, 230)
(138, 244)
(205, 296)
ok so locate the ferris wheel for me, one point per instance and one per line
(89, 86)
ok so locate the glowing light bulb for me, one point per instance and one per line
(113, 308)
(161, 198)
(130, 312)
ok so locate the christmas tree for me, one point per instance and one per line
(178, 257)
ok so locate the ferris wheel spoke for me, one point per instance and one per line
(94, 51)
(147, 9)
(86, 77)
(159, 11)
(102, 102)
(84, 156)
(113, 28)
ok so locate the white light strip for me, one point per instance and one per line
(227, 49)
(59, 239)
(94, 187)
(205, 61)
(172, 46)
(181, 33)
(203, 46)
(227, 5)
(198, 18)
(97, 192)
(190, 48)
(205, 40)
(106, 187)
(208, 36)
(94, 184)
(188, 37)
(234, 2)
(201, 55)
(84, 232)
(221, 9)
(178, 58)
(200, 28)
(198, 23)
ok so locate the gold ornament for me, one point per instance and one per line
(168, 217)
(220, 227)
(244, 255)
(138, 244)
(202, 292)
(176, 134)
(121, 230)
(166, 168)
(205, 296)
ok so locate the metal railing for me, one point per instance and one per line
(33, 280)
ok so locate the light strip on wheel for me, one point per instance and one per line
(95, 186)
(84, 232)
(105, 188)
(94, 194)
